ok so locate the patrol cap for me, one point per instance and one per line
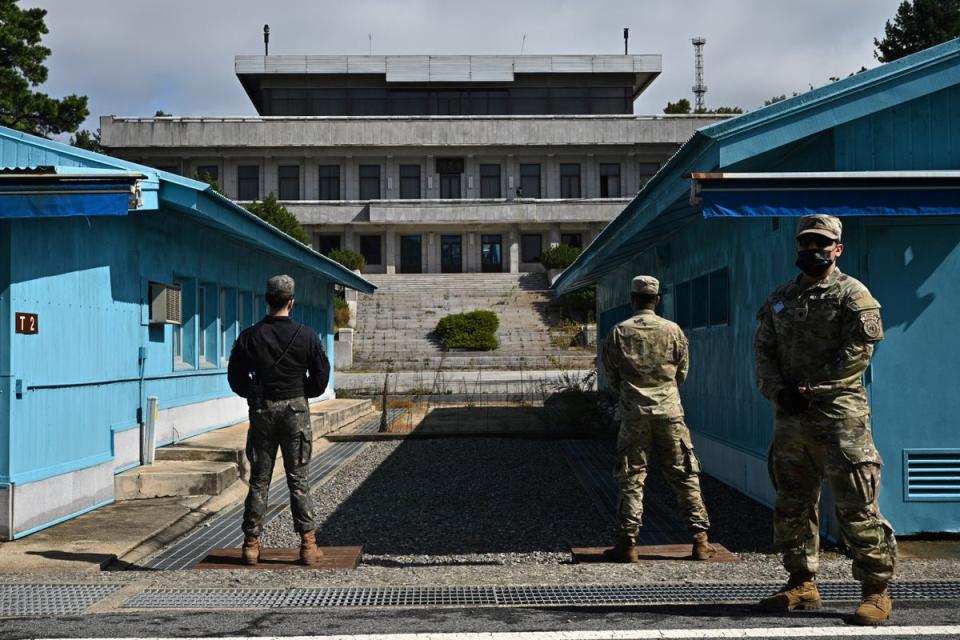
(280, 287)
(646, 285)
(821, 225)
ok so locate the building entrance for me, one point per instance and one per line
(491, 254)
(451, 254)
(411, 256)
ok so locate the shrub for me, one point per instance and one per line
(350, 259)
(341, 312)
(559, 257)
(279, 216)
(475, 331)
(580, 305)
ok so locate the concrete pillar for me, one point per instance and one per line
(431, 182)
(553, 236)
(349, 239)
(591, 183)
(268, 178)
(390, 240)
(351, 187)
(311, 179)
(390, 179)
(551, 176)
(471, 253)
(470, 181)
(513, 248)
(343, 349)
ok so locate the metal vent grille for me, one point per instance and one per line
(932, 474)
(51, 599)
(165, 303)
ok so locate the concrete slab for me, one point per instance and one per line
(175, 478)
(654, 553)
(334, 559)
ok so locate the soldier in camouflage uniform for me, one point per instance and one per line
(269, 364)
(645, 360)
(815, 337)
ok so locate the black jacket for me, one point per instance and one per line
(260, 345)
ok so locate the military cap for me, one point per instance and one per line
(821, 225)
(647, 285)
(281, 285)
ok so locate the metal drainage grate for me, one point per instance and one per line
(519, 596)
(51, 599)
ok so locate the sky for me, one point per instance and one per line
(133, 57)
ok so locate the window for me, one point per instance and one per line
(244, 310)
(609, 180)
(451, 103)
(208, 173)
(489, 181)
(611, 100)
(368, 102)
(572, 240)
(288, 182)
(704, 301)
(288, 102)
(369, 182)
(720, 297)
(450, 186)
(531, 246)
(327, 243)
(529, 181)
(699, 298)
(329, 182)
(184, 335)
(570, 180)
(328, 102)
(410, 182)
(529, 101)
(228, 322)
(682, 311)
(202, 314)
(408, 103)
(647, 170)
(370, 249)
(572, 100)
(248, 182)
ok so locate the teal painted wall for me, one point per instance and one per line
(87, 278)
(6, 329)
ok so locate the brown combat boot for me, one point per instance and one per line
(876, 605)
(800, 592)
(250, 552)
(309, 551)
(624, 550)
(702, 549)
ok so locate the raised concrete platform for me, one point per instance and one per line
(654, 553)
(333, 559)
(175, 478)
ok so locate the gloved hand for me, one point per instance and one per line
(792, 401)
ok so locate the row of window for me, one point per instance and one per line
(449, 172)
(410, 102)
(703, 301)
(212, 317)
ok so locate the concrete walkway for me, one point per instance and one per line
(462, 382)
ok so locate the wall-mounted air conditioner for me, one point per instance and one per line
(165, 305)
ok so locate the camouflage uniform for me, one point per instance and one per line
(283, 423)
(822, 337)
(645, 359)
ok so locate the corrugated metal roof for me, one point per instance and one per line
(408, 69)
(491, 69)
(326, 64)
(449, 69)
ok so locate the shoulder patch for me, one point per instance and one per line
(871, 326)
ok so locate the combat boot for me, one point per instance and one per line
(876, 605)
(251, 550)
(702, 549)
(309, 551)
(800, 592)
(624, 550)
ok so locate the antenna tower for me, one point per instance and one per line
(699, 89)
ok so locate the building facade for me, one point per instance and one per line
(437, 164)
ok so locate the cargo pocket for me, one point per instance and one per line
(690, 460)
(251, 450)
(305, 448)
(864, 468)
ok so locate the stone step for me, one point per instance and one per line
(167, 478)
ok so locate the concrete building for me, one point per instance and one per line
(876, 149)
(428, 163)
(119, 283)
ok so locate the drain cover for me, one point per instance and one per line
(51, 599)
(515, 596)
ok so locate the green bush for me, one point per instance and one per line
(341, 312)
(350, 259)
(475, 330)
(559, 257)
(580, 305)
(279, 216)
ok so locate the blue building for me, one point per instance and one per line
(119, 282)
(881, 150)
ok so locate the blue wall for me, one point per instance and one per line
(87, 278)
(6, 316)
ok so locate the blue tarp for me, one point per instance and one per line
(51, 201)
(874, 202)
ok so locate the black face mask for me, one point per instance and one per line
(814, 262)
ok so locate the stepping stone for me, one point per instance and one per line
(334, 558)
(654, 553)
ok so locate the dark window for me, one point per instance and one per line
(531, 246)
(572, 240)
(368, 102)
(647, 170)
(288, 102)
(699, 301)
(449, 170)
(449, 165)
(326, 243)
(408, 103)
(609, 180)
(248, 183)
(569, 180)
(720, 297)
(451, 103)
(569, 101)
(329, 182)
(451, 254)
(369, 182)
(611, 100)
(489, 181)
(370, 249)
(682, 310)
(288, 182)
(410, 181)
(492, 103)
(208, 173)
(328, 102)
(529, 181)
(529, 101)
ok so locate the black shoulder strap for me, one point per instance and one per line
(286, 349)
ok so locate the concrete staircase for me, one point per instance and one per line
(395, 325)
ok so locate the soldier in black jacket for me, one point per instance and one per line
(276, 365)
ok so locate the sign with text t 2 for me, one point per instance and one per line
(28, 323)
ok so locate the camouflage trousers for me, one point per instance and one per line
(802, 454)
(284, 424)
(669, 440)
